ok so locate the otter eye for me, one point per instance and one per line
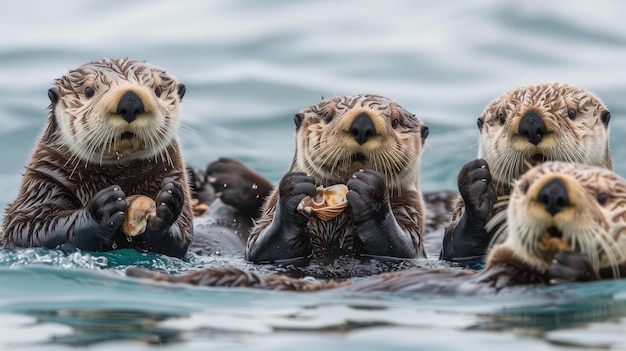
(571, 113)
(602, 197)
(157, 91)
(524, 187)
(502, 117)
(89, 92)
(394, 123)
(327, 117)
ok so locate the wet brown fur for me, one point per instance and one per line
(61, 177)
(584, 139)
(324, 151)
(516, 263)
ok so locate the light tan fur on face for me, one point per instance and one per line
(326, 149)
(90, 126)
(593, 223)
(584, 139)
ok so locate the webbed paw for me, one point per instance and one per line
(367, 195)
(293, 187)
(572, 266)
(476, 189)
(169, 201)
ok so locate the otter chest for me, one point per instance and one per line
(337, 235)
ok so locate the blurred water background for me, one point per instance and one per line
(249, 66)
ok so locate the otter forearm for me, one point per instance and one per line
(505, 269)
(171, 242)
(465, 239)
(382, 236)
(30, 231)
(279, 240)
(73, 227)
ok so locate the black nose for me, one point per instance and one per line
(532, 127)
(362, 128)
(554, 196)
(129, 106)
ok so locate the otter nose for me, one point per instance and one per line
(554, 196)
(532, 127)
(362, 128)
(130, 106)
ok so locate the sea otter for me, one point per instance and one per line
(567, 223)
(110, 133)
(373, 146)
(521, 128)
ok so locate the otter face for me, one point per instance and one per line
(338, 136)
(561, 206)
(112, 111)
(544, 122)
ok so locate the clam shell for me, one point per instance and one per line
(327, 204)
(140, 210)
(549, 243)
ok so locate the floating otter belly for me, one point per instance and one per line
(373, 146)
(111, 133)
(521, 128)
(567, 223)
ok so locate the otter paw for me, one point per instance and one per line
(237, 185)
(169, 202)
(108, 208)
(571, 266)
(201, 191)
(476, 189)
(366, 194)
(293, 187)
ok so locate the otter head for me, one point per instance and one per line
(543, 122)
(559, 206)
(338, 136)
(112, 111)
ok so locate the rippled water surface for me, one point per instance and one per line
(248, 67)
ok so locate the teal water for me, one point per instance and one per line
(248, 67)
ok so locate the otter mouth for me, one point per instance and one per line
(537, 159)
(552, 240)
(358, 157)
(127, 136)
(127, 141)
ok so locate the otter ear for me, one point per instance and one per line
(480, 123)
(298, 118)
(181, 91)
(53, 96)
(425, 132)
(605, 117)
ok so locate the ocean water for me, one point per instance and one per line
(248, 67)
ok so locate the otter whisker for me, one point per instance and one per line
(590, 247)
(501, 233)
(607, 243)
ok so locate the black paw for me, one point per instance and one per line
(476, 189)
(199, 188)
(572, 266)
(238, 186)
(108, 208)
(367, 195)
(169, 202)
(293, 187)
